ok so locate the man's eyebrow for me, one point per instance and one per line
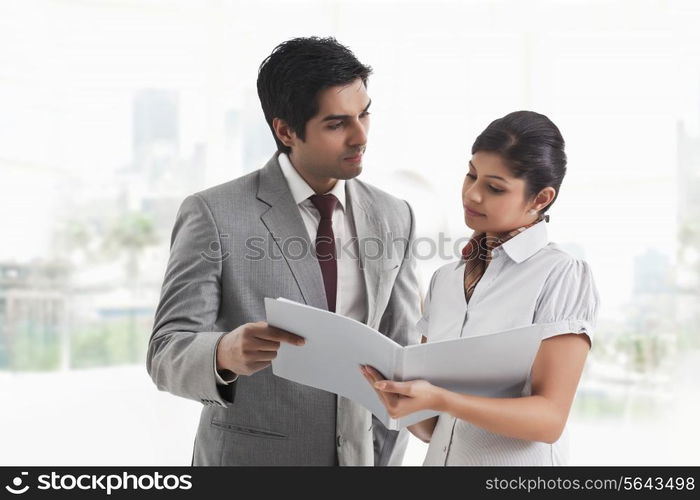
(344, 117)
(494, 176)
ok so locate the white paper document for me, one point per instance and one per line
(495, 365)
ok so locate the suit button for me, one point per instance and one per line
(340, 441)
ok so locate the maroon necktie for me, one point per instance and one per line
(325, 245)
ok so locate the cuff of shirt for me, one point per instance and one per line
(230, 376)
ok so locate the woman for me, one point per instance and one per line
(509, 276)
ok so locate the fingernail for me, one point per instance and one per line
(301, 342)
(380, 385)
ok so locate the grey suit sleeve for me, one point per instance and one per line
(183, 342)
(231, 377)
(399, 323)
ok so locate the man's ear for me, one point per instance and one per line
(284, 132)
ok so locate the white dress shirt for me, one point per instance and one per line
(528, 281)
(351, 296)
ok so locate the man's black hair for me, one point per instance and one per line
(291, 77)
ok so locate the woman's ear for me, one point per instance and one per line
(544, 198)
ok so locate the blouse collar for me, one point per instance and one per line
(524, 245)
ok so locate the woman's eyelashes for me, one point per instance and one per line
(494, 190)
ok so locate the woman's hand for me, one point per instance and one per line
(404, 398)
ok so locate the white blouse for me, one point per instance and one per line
(528, 281)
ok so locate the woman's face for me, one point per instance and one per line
(494, 200)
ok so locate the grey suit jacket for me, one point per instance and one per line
(235, 244)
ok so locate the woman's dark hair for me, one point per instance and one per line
(291, 77)
(531, 146)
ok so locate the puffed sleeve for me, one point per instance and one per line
(423, 322)
(569, 301)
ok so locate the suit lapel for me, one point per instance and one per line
(286, 227)
(369, 230)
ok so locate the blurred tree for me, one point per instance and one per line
(129, 235)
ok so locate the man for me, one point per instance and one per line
(304, 228)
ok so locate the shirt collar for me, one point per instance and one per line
(524, 245)
(300, 189)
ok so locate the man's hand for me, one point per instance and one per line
(252, 347)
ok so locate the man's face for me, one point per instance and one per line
(336, 137)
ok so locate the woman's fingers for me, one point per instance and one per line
(374, 373)
(385, 398)
(367, 376)
(382, 384)
(403, 388)
(399, 398)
